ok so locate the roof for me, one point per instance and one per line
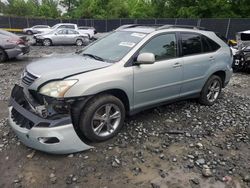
(152, 28)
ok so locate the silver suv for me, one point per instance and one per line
(67, 102)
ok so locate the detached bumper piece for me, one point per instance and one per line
(55, 136)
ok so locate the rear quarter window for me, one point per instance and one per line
(209, 45)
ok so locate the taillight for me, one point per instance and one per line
(231, 52)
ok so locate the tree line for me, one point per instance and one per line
(127, 8)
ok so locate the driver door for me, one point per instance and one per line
(161, 81)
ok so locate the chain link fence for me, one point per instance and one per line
(227, 27)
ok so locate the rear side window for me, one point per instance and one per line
(191, 44)
(213, 45)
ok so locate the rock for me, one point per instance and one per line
(17, 180)
(190, 156)
(194, 181)
(74, 179)
(114, 164)
(200, 162)
(136, 171)
(53, 178)
(199, 145)
(188, 135)
(1, 145)
(206, 172)
(162, 156)
(31, 155)
(246, 178)
(71, 155)
(174, 159)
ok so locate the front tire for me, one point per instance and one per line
(102, 118)
(47, 42)
(29, 32)
(211, 91)
(3, 56)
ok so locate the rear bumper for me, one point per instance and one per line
(229, 74)
(58, 137)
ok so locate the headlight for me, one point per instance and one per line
(57, 88)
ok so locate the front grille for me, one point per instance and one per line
(28, 78)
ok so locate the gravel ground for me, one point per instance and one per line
(178, 145)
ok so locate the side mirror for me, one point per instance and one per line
(145, 58)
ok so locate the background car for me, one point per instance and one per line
(62, 36)
(36, 29)
(90, 31)
(12, 45)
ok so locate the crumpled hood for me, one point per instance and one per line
(61, 66)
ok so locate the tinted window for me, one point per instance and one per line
(163, 47)
(191, 44)
(209, 45)
(214, 46)
(205, 45)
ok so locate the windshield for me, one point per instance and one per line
(115, 46)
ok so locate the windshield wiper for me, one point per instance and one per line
(94, 57)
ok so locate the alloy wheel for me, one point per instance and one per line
(106, 120)
(213, 90)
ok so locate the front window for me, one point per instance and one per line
(115, 46)
(163, 47)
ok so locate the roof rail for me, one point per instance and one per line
(137, 25)
(181, 26)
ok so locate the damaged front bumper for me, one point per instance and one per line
(56, 136)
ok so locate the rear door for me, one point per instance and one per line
(160, 81)
(198, 57)
(72, 36)
(60, 37)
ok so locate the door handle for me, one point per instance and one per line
(176, 65)
(211, 58)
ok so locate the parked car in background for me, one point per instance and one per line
(36, 29)
(62, 36)
(243, 39)
(91, 31)
(64, 101)
(12, 45)
(83, 30)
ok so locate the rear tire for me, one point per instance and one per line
(47, 42)
(102, 118)
(211, 91)
(79, 42)
(3, 55)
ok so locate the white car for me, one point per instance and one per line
(36, 29)
(82, 30)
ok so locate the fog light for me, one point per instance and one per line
(48, 140)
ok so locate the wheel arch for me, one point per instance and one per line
(222, 75)
(120, 94)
